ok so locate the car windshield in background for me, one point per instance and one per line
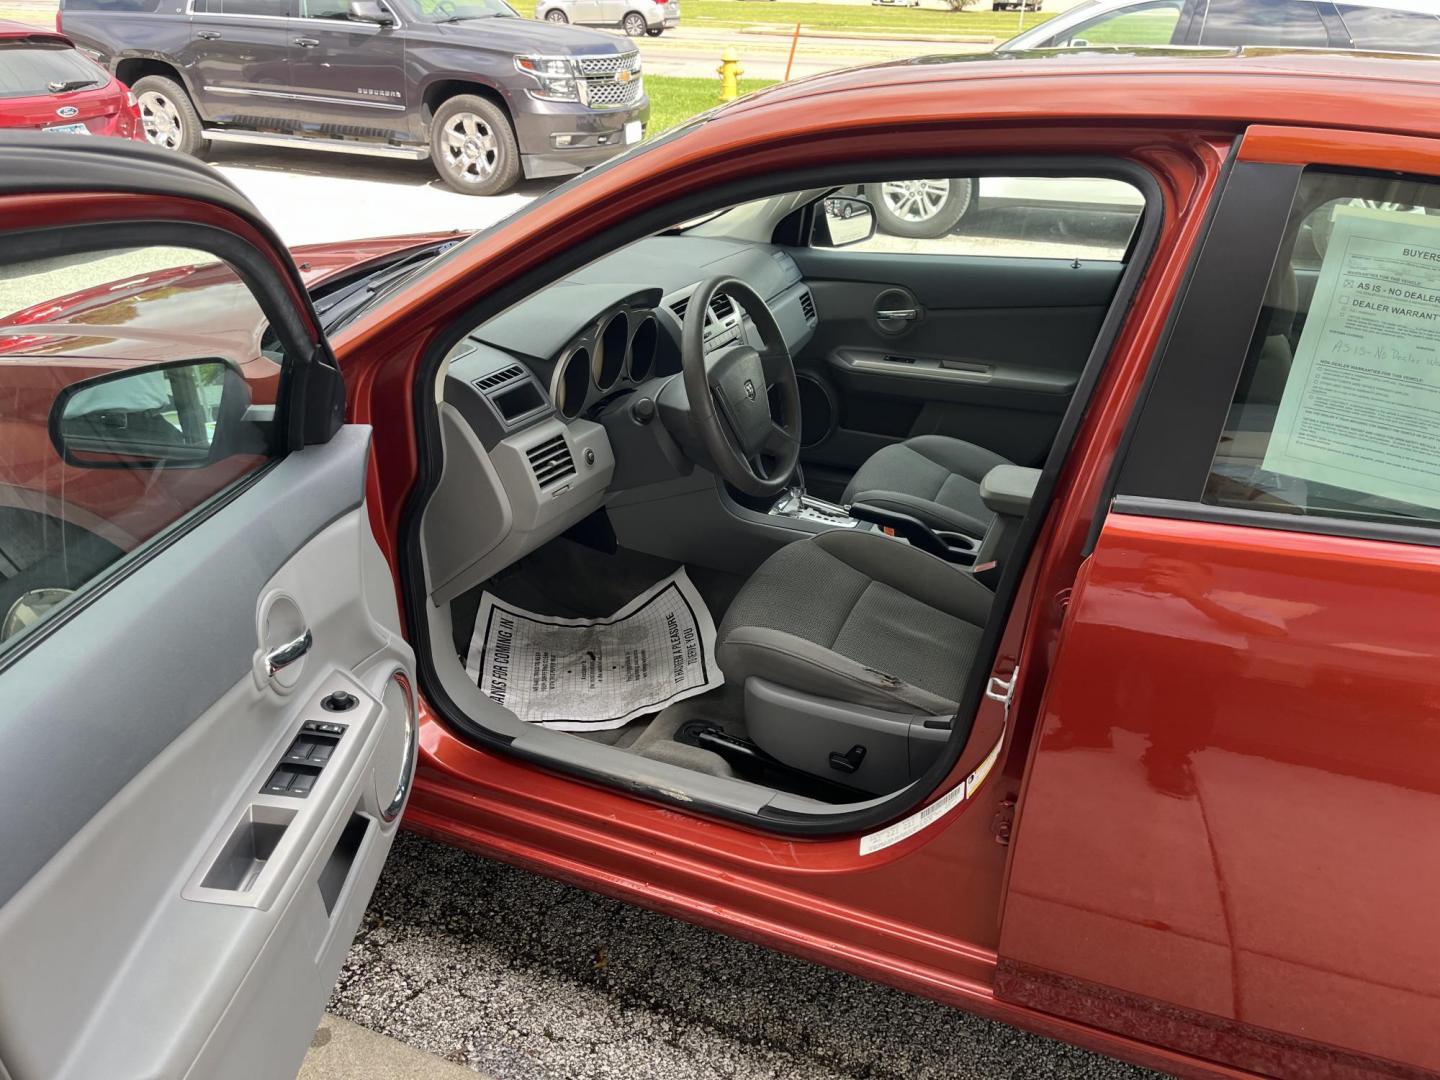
(444, 11)
(30, 69)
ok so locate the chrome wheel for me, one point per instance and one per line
(161, 120)
(471, 152)
(915, 201)
(556, 17)
(634, 25)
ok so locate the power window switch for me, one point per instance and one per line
(321, 751)
(279, 783)
(303, 782)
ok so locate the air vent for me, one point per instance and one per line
(551, 461)
(807, 305)
(499, 378)
(722, 307)
(678, 308)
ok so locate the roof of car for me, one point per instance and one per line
(1372, 91)
(10, 29)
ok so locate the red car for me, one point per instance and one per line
(46, 83)
(1083, 678)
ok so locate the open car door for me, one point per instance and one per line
(208, 719)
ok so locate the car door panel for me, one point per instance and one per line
(240, 62)
(350, 73)
(140, 802)
(991, 356)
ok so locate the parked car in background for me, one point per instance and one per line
(1017, 5)
(635, 17)
(1371, 25)
(895, 3)
(46, 83)
(487, 96)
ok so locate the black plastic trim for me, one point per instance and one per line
(1352, 528)
(430, 458)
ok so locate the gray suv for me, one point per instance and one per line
(635, 17)
(487, 96)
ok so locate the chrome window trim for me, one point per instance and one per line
(192, 13)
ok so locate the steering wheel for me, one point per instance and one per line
(730, 393)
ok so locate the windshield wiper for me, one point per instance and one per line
(72, 84)
(339, 307)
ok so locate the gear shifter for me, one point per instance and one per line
(793, 502)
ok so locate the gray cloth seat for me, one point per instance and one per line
(858, 618)
(931, 477)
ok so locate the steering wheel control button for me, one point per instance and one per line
(589, 458)
(340, 701)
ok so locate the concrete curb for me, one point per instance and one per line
(345, 1051)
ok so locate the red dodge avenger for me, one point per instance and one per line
(1040, 618)
(46, 83)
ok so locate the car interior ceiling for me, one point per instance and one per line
(848, 554)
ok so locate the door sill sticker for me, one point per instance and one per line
(926, 816)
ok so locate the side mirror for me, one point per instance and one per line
(371, 11)
(1078, 43)
(162, 416)
(843, 220)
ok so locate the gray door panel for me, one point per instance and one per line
(163, 916)
(991, 354)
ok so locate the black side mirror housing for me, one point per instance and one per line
(178, 415)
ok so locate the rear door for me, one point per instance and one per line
(969, 313)
(239, 61)
(209, 727)
(1225, 842)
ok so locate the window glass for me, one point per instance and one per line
(1264, 22)
(1337, 411)
(29, 70)
(1384, 29)
(135, 391)
(1028, 217)
(276, 9)
(325, 9)
(1151, 24)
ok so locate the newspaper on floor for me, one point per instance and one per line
(596, 674)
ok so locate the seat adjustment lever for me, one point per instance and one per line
(849, 761)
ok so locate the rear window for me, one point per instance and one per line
(1386, 30)
(37, 70)
(1263, 22)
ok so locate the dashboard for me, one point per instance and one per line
(536, 418)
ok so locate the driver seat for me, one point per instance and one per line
(853, 639)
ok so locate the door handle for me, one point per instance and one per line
(208, 35)
(908, 314)
(282, 656)
(307, 42)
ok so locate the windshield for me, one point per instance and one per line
(444, 11)
(39, 70)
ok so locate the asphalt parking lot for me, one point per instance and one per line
(523, 978)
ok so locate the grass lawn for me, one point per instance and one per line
(674, 99)
(728, 14)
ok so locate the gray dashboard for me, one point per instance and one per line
(529, 395)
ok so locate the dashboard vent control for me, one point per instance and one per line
(499, 378)
(722, 307)
(807, 305)
(551, 462)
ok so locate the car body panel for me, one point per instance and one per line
(104, 109)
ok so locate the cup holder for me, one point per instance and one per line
(963, 549)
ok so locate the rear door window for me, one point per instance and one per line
(39, 70)
(1148, 24)
(1263, 22)
(1388, 30)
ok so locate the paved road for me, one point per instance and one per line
(526, 979)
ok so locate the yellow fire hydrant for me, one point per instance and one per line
(729, 72)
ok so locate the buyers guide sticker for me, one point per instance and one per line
(596, 674)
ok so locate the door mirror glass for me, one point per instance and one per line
(371, 11)
(845, 220)
(162, 416)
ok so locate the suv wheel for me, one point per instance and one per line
(556, 16)
(168, 118)
(634, 25)
(920, 209)
(472, 146)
